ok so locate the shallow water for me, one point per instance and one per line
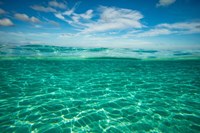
(98, 95)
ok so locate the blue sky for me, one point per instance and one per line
(146, 24)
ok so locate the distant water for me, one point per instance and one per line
(104, 94)
(82, 53)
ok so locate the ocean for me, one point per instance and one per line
(54, 89)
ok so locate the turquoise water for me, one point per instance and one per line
(76, 52)
(111, 95)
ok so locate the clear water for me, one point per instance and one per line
(76, 52)
(99, 95)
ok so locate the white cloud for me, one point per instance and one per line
(167, 29)
(74, 18)
(26, 18)
(2, 11)
(165, 2)
(182, 27)
(61, 17)
(112, 18)
(43, 9)
(57, 4)
(78, 18)
(37, 26)
(69, 12)
(87, 15)
(96, 40)
(6, 22)
(53, 23)
(154, 32)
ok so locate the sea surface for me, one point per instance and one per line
(54, 90)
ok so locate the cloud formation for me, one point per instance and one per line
(112, 18)
(57, 4)
(53, 23)
(168, 29)
(182, 27)
(43, 9)
(2, 11)
(24, 17)
(6, 22)
(109, 18)
(74, 18)
(154, 32)
(165, 3)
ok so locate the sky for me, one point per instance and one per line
(139, 24)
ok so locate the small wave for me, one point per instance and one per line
(182, 53)
(145, 51)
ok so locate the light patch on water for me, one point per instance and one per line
(99, 96)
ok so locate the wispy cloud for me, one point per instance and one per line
(53, 23)
(2, 11)
(61, 17)
(48, 21)
(24, 17)
(182, 27)
(86, 16)
(154, 32)
(74, 18)
(37, 26)
(165, 3)
(6, 22)
(166, 29)
(109, 19)
(92, 40)
(112, 18)
(43, 9)
(57, 4)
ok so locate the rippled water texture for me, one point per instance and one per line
(99, 95)
(77, 52)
